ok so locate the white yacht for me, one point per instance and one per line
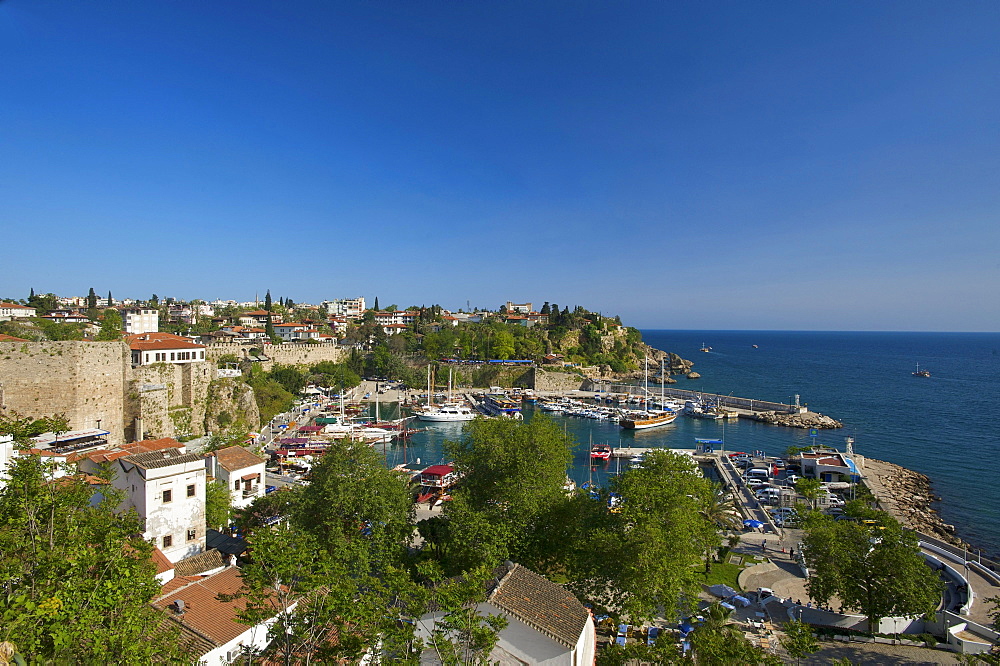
(447, 413)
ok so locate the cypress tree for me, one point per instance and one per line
(376, 304)
(110, 301)
(92, 299)
(267, 301)
(31, 296)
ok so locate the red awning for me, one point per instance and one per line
(250, 477)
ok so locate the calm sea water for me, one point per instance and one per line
(942, 426)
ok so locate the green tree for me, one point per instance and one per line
(92, 299)
(218, 503)
(492, 453)
(77, 579)
(23, 428)
(799, 641)
(463, 635)
(873, 566)
(154, 301)
(110, 300)
(811, 489)
(717, 508)
(291, 378)
(111, 326)
(655, 535)
(338, 556)
(267, 301)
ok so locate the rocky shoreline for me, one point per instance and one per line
(907, 495)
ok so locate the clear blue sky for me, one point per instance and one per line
(729, 165)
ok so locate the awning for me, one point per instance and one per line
(250, 477)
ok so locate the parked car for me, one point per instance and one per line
(755, 483)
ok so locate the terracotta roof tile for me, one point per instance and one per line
(200, 563)
(161, 561)
(234, 458)
(541, 604)
(10, 338)
(204, 613)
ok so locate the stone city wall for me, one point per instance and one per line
(94, 382)
(86, 381)
(287, 354)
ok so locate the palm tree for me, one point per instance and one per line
(717, 508)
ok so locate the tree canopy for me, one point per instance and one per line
(76, 575)
(873, 565)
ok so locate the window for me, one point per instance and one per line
(202, 355)
(192, 535)
(191, 490)
(236, 485)
(171, 356)
(168, 541)
(167, 496)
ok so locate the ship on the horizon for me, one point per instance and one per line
(921, 373)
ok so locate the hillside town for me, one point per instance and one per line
(223, 460)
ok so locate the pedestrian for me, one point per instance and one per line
(763, 545)
(792, 553)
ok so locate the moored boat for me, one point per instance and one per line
(646, 419)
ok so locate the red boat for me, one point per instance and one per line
(600, 453)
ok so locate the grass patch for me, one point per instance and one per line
(722, 572)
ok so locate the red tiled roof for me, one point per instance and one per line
(15, 305)
(10, 338)
(233, 458)
(203, 612)
(154, 341)
(161, 561)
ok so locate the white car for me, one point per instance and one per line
(755, 483)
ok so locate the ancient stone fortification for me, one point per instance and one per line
(94, 383)
(545, 380)
(289, 354)
(86, 381)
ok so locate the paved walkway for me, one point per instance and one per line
(879, 653)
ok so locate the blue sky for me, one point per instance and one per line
(727, 165)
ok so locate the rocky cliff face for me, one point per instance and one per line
(230, 400)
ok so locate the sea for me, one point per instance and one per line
(940, 425)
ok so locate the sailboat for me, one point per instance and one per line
(640, 420)
(448, 412)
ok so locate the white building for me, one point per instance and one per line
(345, 307)
(167, 489)
(522, 308)
(140, 320)
(7, 453)
(295, 332)
(10, 311)
(241, 471)
(150, 348)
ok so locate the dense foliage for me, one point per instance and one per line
(76, 577)
(871, 564)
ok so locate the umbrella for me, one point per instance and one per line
(742, 602)
(755, 524)
(686, 627)
(721, 590)
(727, 606)
(651, 636)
